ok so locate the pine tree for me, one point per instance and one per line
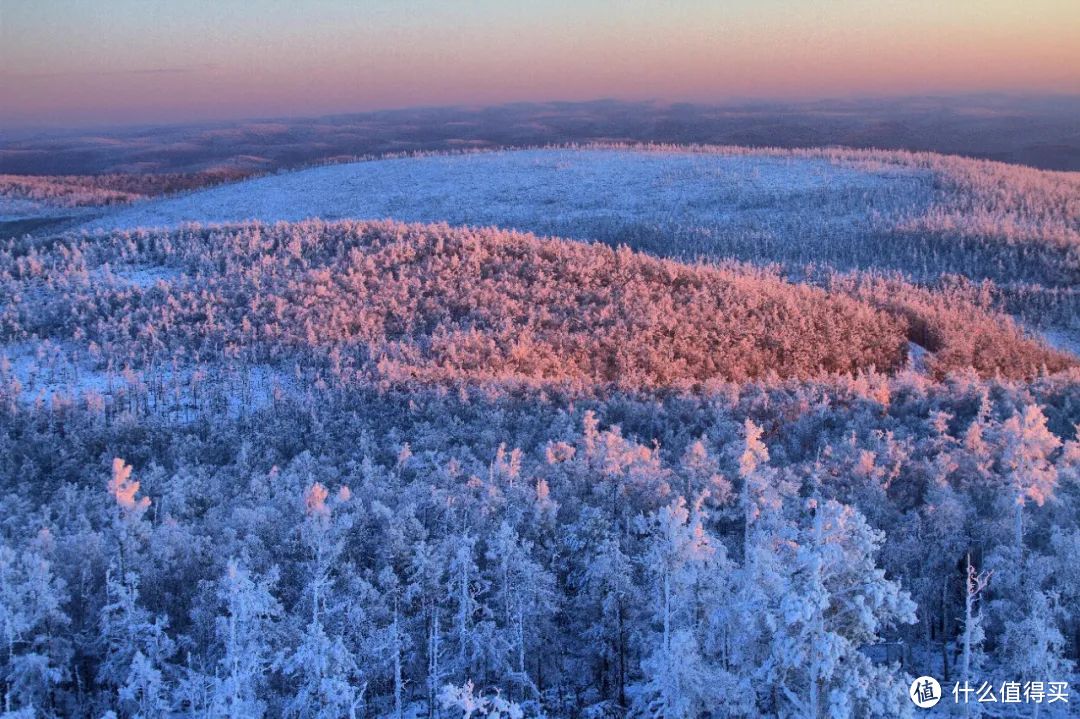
(393, 640)
(328, 678)
(607, 583)
(465, 699)
(936, 542)
(464, 585)
(145, 692)
(701, 473)
(760, 496)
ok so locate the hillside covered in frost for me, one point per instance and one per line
(602, 433)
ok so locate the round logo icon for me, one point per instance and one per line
(925, 692)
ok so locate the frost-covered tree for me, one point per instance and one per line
(1033, 643)
(939, 538)
(973, 658)
(760, 495)
(393, 641)
(688, 569)
(834, 602)
(130, 531)
(1027, 447)
(522, 598)
(145, 691)
(607, 599)
(135, 648)
(425, 590)
(465, 699)
(32, 622)
(245, 634)
(468, 626)
(700, 472)
(327, 678)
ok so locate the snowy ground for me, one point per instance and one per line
(548, 191)
(49, 371)
(142, 275)
(46, 368)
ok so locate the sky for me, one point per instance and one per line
(84, 62)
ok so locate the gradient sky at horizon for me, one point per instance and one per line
(80, 62)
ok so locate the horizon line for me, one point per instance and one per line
(46, 128)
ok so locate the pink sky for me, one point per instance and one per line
(122, 61)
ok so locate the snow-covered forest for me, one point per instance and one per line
(70, 191)
(770, 446)
(918, 214)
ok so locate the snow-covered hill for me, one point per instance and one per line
(537, 190)
(923, 215)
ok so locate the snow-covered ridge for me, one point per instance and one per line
(920, 214)
(524, 189)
